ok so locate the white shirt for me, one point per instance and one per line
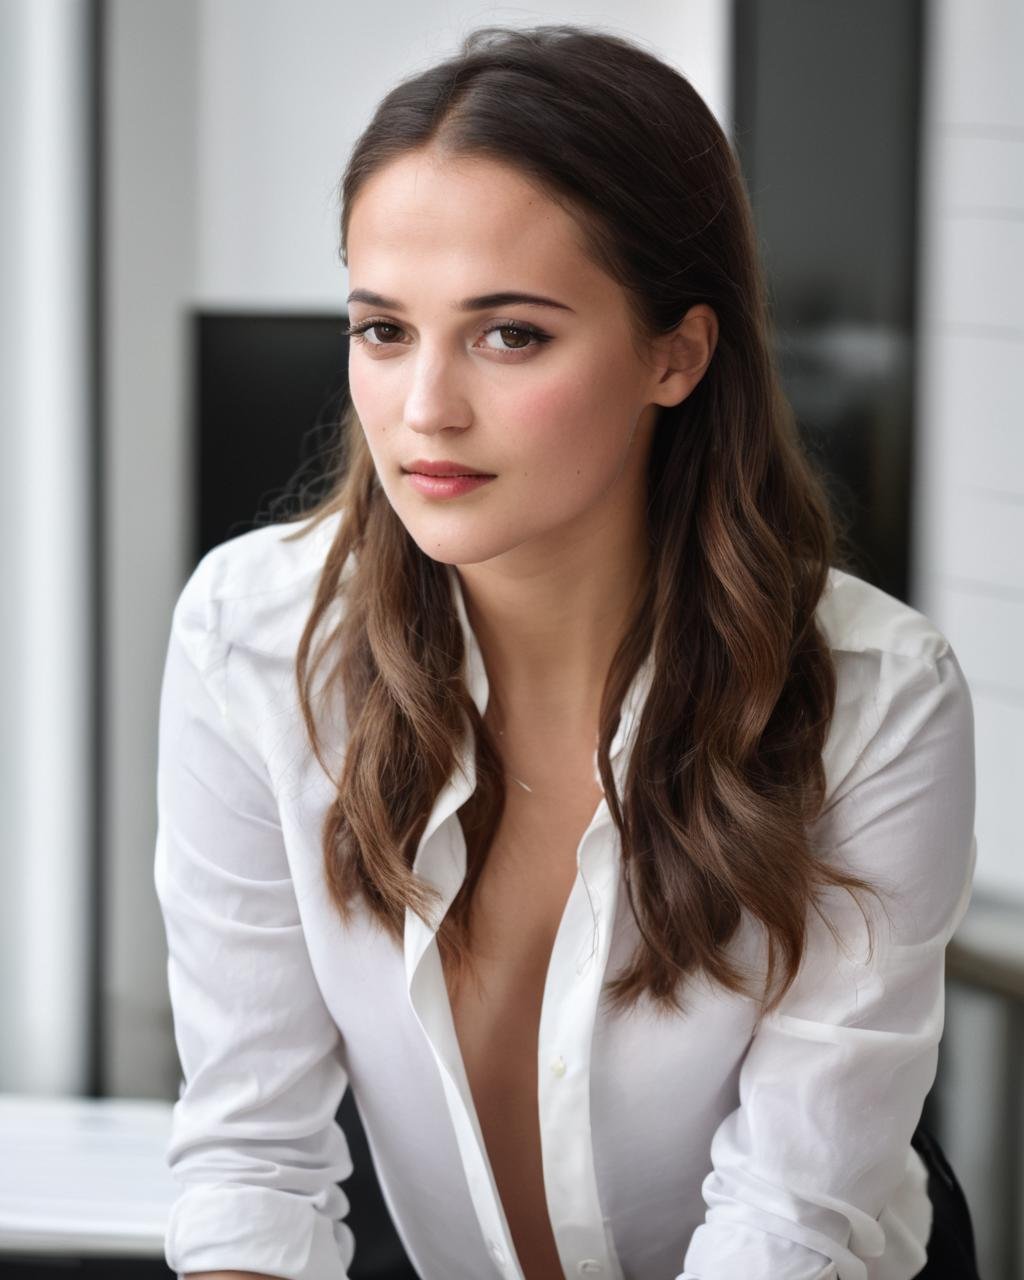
(707, 1146)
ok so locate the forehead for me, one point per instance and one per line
(459, 219)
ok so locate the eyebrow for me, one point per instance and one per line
(482, 302)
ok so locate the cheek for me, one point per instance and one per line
(365, 393)
(374, 410)
(576, 425)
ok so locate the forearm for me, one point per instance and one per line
(228, 1275)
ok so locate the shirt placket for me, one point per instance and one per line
(572, 988)
(571, 994)
(441, 860)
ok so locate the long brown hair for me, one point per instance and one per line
(726, 772)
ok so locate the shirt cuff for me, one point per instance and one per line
(736, 1252)
(224, 1227)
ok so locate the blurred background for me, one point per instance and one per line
(171, 367)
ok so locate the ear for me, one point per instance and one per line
(682, 356)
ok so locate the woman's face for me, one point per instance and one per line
(550, 400)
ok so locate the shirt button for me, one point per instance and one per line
(589, 1267)
(558, 1066)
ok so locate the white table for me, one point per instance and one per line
(84, 1176)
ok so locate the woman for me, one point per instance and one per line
(550, 783)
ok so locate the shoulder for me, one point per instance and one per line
(899, 763)
(857, 617)
(896, 674)
(255, 591)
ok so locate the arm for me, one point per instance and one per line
(834, 1081)
(254, 1144)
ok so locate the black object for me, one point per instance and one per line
(379, 1253)
(826, 122)
(17, 1267)
(269, 392)
(951, 1252)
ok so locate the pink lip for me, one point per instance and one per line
(448, 486)
(443, 467)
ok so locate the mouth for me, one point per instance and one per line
(446, 471)
(452, 484)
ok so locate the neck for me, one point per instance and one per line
(548, 633)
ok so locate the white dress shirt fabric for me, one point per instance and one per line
(705, 1146)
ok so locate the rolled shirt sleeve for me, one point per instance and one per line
(255, 1146)
(833, 1083)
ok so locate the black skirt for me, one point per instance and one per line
(950, 1246)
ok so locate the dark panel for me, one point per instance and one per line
(19, 1267)
(826, 113)
(269, 392)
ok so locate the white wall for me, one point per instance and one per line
(969, 552)
(45, 546)
(286, 88)
(150, 219)
(229, 124)
(970, 484)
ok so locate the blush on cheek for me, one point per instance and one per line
(554, 415)
(558, 399)
(571, 422)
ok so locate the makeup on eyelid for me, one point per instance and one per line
(357, 333)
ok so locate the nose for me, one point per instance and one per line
(434, 400)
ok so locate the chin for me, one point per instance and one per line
(444, 541)
(454, 551)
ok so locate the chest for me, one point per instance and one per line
(522, 891)
(518, 906)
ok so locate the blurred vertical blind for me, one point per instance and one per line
(46, 466)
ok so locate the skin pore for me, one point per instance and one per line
(551, 551)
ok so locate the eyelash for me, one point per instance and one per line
(356, 333)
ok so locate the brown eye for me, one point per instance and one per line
(358, 332)
(515, 337)
(524, 337)
(388, 335)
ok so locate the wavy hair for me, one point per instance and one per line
(726, 773)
